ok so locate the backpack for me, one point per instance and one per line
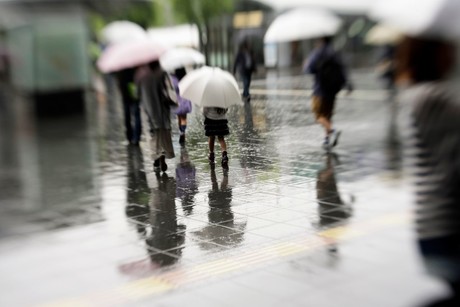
(330, 74)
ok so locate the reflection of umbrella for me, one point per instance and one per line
(383, 35)
(301, 24)
(180, 57)
(122, 31)
(210, 87)
(129, 55)
(438, 18)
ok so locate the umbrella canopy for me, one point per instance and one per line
(129, 55)
(122, 31)
(383, 35)
(301, 24)
(210, 87)
(180, 57)
(429, 18)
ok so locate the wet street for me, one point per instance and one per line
(84, 220)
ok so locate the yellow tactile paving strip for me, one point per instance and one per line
(162, 283)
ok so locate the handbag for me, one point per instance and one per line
(167, 92)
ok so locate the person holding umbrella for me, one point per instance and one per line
(215, 91)
(158, 96)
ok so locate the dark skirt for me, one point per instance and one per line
(214, 127)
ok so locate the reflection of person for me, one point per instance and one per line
(131, 108)
(216, 124)
(435, 144)
(156, 87)
(138, 190)
(185, 106)
(222, 229)
(167, 234)
(246, 65)
(219, 201)
(330, 77)
(331, 208)
(186, 187)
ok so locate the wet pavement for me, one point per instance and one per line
(84, 220)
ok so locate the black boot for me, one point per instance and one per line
(224, 160)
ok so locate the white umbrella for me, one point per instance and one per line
(122, 31)
(301, 24)
(210, 87)
(181, 57)
(129, 55)
(430, 18)
(344, 6)
(383, 35)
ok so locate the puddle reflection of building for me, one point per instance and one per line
(186, 184)
(332, 210)
(48, 162)
(222, 229)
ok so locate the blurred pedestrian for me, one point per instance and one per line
(245, 64)
(185, 106)
(330, 77)
(434, 139)
(131, 108)
(386, 66)
(216, 125)
(158, 96)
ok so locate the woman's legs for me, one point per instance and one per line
(222, 143)
(223, 146)
(211, 141)
(182, 122)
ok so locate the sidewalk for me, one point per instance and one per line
(287, 225)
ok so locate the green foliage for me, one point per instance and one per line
(200, 11)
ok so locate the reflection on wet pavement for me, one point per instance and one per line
(85, 220)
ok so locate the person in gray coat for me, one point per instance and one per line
(158, 96)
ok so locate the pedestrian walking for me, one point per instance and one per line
(433, 137)
(158, 97)
(185, 106)
(131, 108)
(386, 67)
(216, 125)
(330, 77)
(245, 64)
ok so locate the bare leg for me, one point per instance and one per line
(211, 141)
(182, 120)
(223, 145)
(326, 123)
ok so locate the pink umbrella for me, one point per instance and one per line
(129, 55)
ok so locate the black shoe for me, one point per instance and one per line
(224, 160)
(164, 166)
(335, 136)
(211, 158)
(182, 139)
(156, 166)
